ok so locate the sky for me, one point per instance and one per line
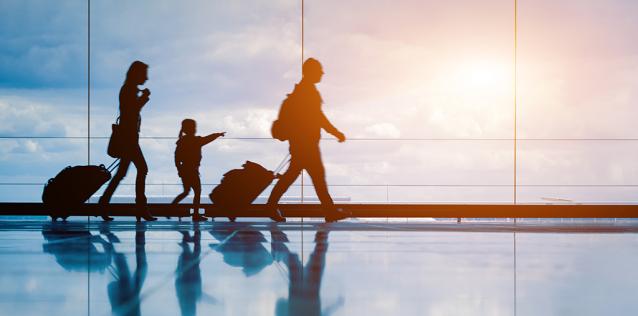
(395, 70)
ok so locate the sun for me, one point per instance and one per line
(484, 77)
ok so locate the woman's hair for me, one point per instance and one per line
(187, 125)
(135, 69)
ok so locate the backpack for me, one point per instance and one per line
(282, 127)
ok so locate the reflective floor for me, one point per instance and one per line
(351, 268)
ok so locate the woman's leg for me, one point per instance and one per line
(140, 181)
(110, 188)
(115, 181)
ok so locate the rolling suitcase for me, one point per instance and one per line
(73, 186)
(240, 187)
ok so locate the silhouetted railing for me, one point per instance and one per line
(385, 192)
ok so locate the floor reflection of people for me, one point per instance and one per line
(305, 281)
(241, 245)
(188, 279)
(124, 291)
(75, 248)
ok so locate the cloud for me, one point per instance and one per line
(391, 71)
(46, 113)
(44, 44)
(384, 130)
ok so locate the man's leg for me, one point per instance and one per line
(280, 188)
(317, 173)
(285, 181)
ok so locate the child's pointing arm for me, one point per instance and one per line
(212, 137)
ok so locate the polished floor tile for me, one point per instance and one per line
(351, 268)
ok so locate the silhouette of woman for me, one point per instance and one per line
(124, 291)
(132, 100)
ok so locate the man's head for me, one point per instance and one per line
(312, 70)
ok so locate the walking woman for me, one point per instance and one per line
(132, 100)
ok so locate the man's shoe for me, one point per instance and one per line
(277, 217)
(337, 215)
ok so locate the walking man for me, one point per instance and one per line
(300, 122)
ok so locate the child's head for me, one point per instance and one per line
(189, 127)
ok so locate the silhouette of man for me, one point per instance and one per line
(305, 281)
(132, 100)
(305, 120)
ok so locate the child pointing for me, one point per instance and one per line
(188, 155)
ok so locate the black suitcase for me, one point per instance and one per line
(240, 187)
(72, 187)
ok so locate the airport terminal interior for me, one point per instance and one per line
(386, 157)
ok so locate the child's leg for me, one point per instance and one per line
(197, 191)
(187, 188)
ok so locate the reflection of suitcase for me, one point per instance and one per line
(76, 250)
(72, 187)
(240, 187)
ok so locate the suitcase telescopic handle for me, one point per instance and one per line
(282, 164)
(113, 165)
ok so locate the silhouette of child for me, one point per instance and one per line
(188, 155)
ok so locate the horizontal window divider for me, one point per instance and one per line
(376, 185)
(349, 139)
